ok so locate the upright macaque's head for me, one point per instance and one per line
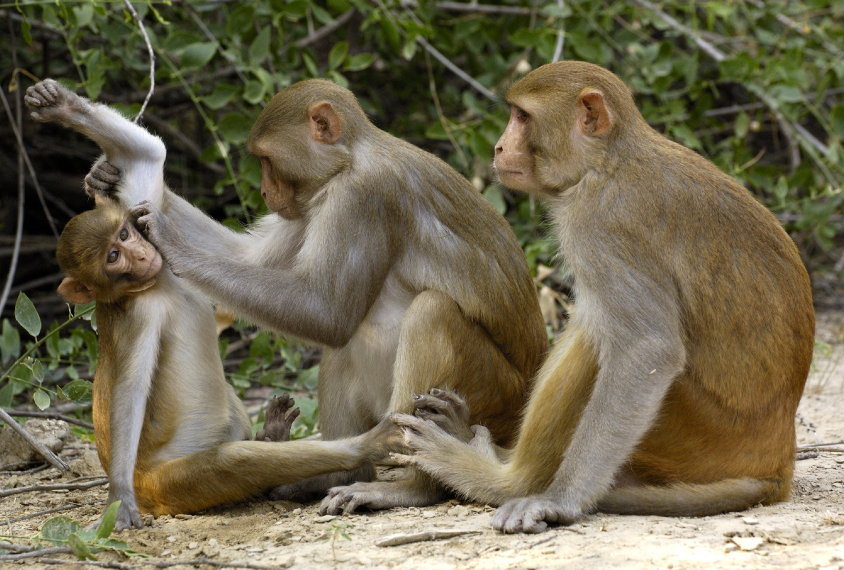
(303, 139)
(105, 257)
(564, 117)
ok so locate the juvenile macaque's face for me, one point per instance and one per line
(131, 262)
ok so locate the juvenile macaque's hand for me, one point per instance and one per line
(161, 232)
(102, 180)
(50, 101)
(277, 421)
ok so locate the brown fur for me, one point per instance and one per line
(674, 386)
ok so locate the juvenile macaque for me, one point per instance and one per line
(673, 389)
(384, 255)
(169, 428)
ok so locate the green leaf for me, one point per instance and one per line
(359, 62)
(26, 315)
(338, 54)
(837, 120)
(10, 342)
(240, 21)
(7, 392)
(311, 65)
(37, 368)
(198, 54)
(78, 389)
(235, 128)
(222, 95)
(58, 529)
(79, 548)
(260, 47)
(787, 93)
(107, 523)
(41, 399)
(26, 32)
(409, 48)
(493, 194)
(391, 32)
(254, 92)
(741, 125)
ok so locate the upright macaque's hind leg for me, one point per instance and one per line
(138, 154)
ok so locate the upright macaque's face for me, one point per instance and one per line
(131, 262)
(513, 162)
(278, 194)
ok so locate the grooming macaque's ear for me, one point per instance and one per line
(594, 117)
(75, 291)
(324, 122)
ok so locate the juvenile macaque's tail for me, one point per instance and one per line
(687, 500)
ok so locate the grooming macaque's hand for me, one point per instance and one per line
(102, 180)
(52, 102)
(531, 514)
(161, 232)
(277, 422)
(446, 409)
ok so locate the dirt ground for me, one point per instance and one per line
(806, 532)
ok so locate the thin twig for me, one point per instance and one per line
(13, 467)
(446, 127)
(136, 562)
(151, 58)
(35, 553)
(713, 52)
(52, 416)
(561, 35)
(37, 445)
(425, 536)
(70, 486)
(11, 547)
(317, 35)
(816, 445)
(788, 22)
(474, 7)
(55, 510)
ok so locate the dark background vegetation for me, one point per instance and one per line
(757, 87)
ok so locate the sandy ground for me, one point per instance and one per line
(806, 532)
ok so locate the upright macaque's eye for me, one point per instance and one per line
(113, 255)
(124, 235)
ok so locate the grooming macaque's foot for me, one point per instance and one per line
(379, 495)
(102, 180)
(52, 102)
(446, 409)
(532, 514)
(277, 422)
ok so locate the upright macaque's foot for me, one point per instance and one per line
(102, 180)
(447, 410)
(277, 422)
(52, 102)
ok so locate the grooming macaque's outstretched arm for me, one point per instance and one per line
(310, 299)
(127, 146)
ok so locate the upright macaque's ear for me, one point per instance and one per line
(76, 292)
(324, 123)
(594, 118)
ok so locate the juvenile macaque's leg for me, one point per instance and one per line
(277, 420)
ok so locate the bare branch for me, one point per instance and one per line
(49, 511)
(37, 445)
(70, 486)
(151, 58)
(52, 416)
(317, 35)
(425, 536)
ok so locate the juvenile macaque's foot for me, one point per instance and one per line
(50, 101)
(315, 487)
(447, 410)
(532, 514)
(277, 422)
(102, 180)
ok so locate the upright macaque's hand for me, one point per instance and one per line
(532, 514)
(277, 422)
(161, 232)
(447, 410)
(52, 102)
(102, 180)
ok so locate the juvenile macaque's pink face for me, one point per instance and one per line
(132, 263)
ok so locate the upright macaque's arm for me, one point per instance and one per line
(137, 362)
(138, 154)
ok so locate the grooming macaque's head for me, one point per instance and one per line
(563, 119)
(105, 257)
(303, 139)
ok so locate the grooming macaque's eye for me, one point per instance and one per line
(124, 235)
(113, 255)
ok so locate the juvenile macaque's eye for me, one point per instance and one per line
(113, 255)
(124, 235)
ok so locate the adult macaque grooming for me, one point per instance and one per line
(674, 386)
(383, 254)
(168, 426)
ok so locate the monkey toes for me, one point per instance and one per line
(49, 101)
(447, 410)
(277, 420)
(532, 514)
(102, 179)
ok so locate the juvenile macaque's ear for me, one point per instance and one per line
(324, 123)
(76, 292)
(594, 118)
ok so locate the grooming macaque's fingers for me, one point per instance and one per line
(277, 422)
(649, 366)
(102, 179)
(446, 409)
